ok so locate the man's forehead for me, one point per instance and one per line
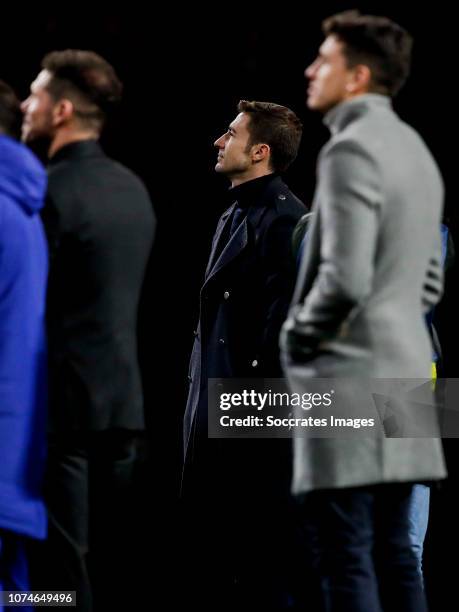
(41, 81)
(240, 121)
(330, 46)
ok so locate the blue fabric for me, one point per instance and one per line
(363, 551)
(418, 519)
(420, 497)
(14, 572)
(23, 273)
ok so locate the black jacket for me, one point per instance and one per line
(245, 296)
(100, 225)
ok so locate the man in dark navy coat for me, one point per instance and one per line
(243, 303)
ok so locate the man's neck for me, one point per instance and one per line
(63, 138)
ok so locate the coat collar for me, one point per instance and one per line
(262, 194)
(248, 193)
(77, 150)
(346, 112)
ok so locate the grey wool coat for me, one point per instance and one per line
(370, 270)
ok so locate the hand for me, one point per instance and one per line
(295, 346)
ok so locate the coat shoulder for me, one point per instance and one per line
(282, 211)
(282, 202)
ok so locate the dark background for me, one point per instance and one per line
(184, 70)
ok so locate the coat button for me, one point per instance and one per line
(190, 379)
(221, 341)
(254, 363)
(195, 333)
(281, 196)
(226, 295)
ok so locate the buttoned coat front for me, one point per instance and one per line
(243, 301)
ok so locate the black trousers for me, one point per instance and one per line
(362, 548)
(241, 535)
(91, 492)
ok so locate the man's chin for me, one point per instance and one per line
(318, 105)
(312, 103)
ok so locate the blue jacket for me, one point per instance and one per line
(23, 274)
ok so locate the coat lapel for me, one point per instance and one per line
(239, 239)
(216, 248)
(236, 244)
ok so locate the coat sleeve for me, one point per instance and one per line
(349, 207)
(278, 284)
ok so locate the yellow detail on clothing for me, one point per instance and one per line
(433, 375)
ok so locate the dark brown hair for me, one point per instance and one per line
(377, 42)
(85, 78)
(10, 111)
(276, 126)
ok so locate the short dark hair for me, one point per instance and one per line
(87, 79)
(379, 43)
(275, 125)
(10, 111)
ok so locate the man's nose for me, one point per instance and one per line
(310, 71)
(24, 105)
(219, 142)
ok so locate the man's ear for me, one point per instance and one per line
(63, 111)
(360, 81)
(260, 152)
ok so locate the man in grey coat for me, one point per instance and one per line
(370, 270)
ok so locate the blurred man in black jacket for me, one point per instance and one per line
(100, 225)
